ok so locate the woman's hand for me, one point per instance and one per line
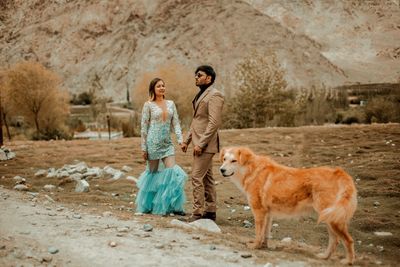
(145, 155)
(184, 147)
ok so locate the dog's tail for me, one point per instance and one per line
(346, 201)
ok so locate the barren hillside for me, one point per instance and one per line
(107, 45)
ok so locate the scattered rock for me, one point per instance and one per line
(126, 169)
(132, 178)
(212, 247)
(82, 186)
(112, 244)
(246, 208)
(147, 227)
(159, 246)
(377, 203)
(383, 233)
(52, 250)
(246, 255)
(380, 248)
(287, 240)
(49, 187)
(40, 173)
(247, 224)
(21, 187)
(207, 225)
(275, 225)
(77, 216)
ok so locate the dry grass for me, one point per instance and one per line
(366, 152)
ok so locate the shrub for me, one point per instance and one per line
(382, 110)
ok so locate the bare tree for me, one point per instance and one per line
(34, 93)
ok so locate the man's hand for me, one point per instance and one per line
(145, 155)
(184, 147)
(197, 150)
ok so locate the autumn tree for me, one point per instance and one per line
(35, 94)
(4, 104)
(179, 81)
(261, 95)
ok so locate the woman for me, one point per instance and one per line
(161, 185)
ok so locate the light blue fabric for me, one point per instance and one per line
(161, 192)
(156, 132)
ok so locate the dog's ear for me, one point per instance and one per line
(245, 155)
(222, 154)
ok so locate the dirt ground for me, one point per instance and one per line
(370, 153)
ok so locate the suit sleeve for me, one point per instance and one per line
(188, 137)
(215, 106)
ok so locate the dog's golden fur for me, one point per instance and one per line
(274, 190)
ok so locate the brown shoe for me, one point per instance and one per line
(210, 215)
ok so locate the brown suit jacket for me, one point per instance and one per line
(207, 118)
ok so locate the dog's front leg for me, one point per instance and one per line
(260, 221)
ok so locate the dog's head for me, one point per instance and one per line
(233, 159)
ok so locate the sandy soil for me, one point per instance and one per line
(29, 227)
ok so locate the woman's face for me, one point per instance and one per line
(159, 89)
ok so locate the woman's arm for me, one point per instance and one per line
(176, 125)
(144, 126)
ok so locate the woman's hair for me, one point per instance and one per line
(152, 88)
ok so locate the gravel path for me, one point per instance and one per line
(30, 230)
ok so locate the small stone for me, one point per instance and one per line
(377, 203)
(112, 244)
(147, 227)
(246, 208)
(383, 233)
(76, 216)
(212, 247)
(380, 248)
(287, 240)
(21, 187)
(196, 237)
(52, 250)
(275, 225)
(246, 255)
(159, 246)
(268, 264)
(247, 224)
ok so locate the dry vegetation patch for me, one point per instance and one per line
(370, 153)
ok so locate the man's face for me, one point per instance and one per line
(202, 78)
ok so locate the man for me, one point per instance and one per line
(203, 132)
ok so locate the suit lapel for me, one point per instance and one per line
(196, 104)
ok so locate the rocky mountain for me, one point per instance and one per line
(107, 45)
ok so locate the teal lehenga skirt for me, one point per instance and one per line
(161, 192)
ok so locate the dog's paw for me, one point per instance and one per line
(253, 245)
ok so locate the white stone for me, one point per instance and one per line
(21, 187)
(207, 225)
(76, 176)
(117, 175)
(179, 223)
(246, 208)
(287, 240)
(132, 178)
(126, 169)
(82, 186)
(19, 179)
(383, 233)
(49, 187)
(40, 173)
(275, 225)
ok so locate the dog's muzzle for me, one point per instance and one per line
(223, 172)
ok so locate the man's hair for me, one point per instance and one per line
(208, 70)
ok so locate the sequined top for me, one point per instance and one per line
(156, 130)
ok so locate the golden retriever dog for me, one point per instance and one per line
(276, 191)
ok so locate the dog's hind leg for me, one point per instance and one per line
(332, 245)
(341, 230)
(260, 220)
